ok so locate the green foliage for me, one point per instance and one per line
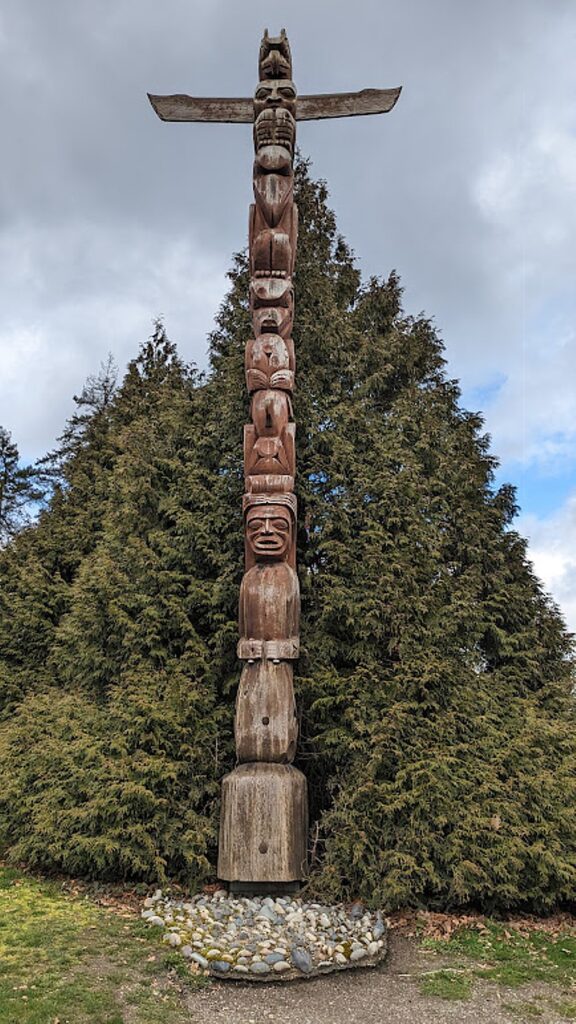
(437, 726)
(18, 487)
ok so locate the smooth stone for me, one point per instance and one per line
(340, 958)
(213, 954)
(280, 966)
(260, 968)
(358, 954)
(221, 966)
(187, 951)
(301, 959)
(156, 921)
(240, 969)
(200, 960)
(379, 928)
(267, 914)
(174, 939)
(274, 958)
(373, 948)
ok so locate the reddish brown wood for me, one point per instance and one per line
(264, 802)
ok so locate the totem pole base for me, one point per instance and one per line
(263, 826)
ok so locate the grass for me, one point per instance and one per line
(511, 958)
(446, 985)
(67, 960)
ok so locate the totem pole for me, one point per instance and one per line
(264, 819)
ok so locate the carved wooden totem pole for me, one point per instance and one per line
(264, 819)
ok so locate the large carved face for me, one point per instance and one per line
(269, 532)
(274, 94)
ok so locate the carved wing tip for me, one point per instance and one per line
(155, 104)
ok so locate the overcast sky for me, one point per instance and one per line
(468, 188)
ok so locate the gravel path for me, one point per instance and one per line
(387, 995)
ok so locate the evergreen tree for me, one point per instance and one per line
(435, 689)
(18, 488)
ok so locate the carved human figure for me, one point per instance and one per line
(270, 363)
(269, 593)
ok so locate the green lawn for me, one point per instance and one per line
(510, 957)
(67, 960)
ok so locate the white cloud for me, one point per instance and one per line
(75, 293)
(552, 548)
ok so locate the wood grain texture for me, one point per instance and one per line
(265, 726)
(180, 107)
(232, 110)
(346, 104)
(263, 825)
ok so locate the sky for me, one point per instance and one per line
(110, 218)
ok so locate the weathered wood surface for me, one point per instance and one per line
(232, 110)
(179, 107)
(346, 104)
(265, 726)
(264, 824)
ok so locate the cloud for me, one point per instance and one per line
(86, 289)
(109, 217)
(552, 548)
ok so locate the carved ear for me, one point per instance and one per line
(265, 33)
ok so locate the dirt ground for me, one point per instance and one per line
(386, 995)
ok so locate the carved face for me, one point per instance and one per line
(273, 320)
(269, 532)
(274, 58)
(274, 126)
(273, 94)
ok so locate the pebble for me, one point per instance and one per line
(301, 959)
(266, 935)
(221, 966)
(260, 967)
(280, 966)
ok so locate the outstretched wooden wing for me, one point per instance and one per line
(180, 107)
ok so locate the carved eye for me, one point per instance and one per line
(255, 524)
(288, 93)
(262, 94)
(280, 525)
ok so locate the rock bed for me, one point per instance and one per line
(267, 938)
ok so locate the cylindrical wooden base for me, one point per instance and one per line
(263, 824)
